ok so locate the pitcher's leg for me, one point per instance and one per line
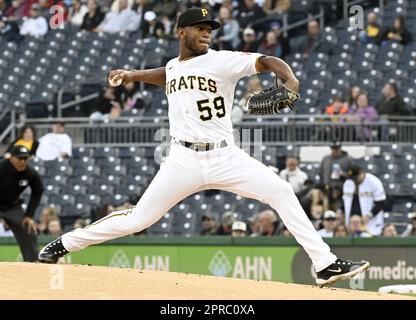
(171, 184)
(253, 179)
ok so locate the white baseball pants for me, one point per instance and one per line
(185, 172)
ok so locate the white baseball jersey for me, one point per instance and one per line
(200, 93)
(369, 191)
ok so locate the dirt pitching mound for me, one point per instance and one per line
(80, 282)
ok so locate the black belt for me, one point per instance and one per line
(202, 146)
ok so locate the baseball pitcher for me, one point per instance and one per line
(200, 86)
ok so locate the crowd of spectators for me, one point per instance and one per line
(338, 206)
(248, 25)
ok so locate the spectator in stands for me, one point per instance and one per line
(239, 229)
(209, 224)
(333, 167)
(364, 196)
(269, 223)
(410, 230)
(250, 15)
(16, 175)
(390, 231)
(4, 4)
(391, 104)
(329, 223)
(335, 198)
(54, 227)
(314, 41)
(166, 8)
(238, 111)
(77, 13)
(129, 96)
(115, 4)
(254, 225)
(5, 231)
(141, 7)
(26, 138)
(276, 6)
(292, 174)
(227, 220)
(274, 45)
(315, 203)
(353, 93)
(250, 42)
(340, 231)
(152, 27)
(336, 108)
(36, 25)
(16, 10)
(109, 97)
(56, 144)
(357, 228)
(398, 32)
(227, 37)
(45, 6)
(80, 223)
(340, 214)
(124, 19)
(365, 114)
(9, 28)
(47, 214)
(113, 114)
(93, 17)
(372, 32)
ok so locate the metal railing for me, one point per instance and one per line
(10, 128)
(294, 129)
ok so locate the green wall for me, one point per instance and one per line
(278, 259)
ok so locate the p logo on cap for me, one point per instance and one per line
(204, 12)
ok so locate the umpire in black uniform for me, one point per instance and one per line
(16, 175)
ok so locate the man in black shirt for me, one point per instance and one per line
(391, 104)
(16, 175)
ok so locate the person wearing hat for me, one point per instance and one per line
(250, 42)
(151, 26)
(227, 220)
(56, 144)
(16, 175)
(209, 224)
(330, 222)
(364, 195)
(334, 166)
(35, 25)
(199, 84)
(238, 229)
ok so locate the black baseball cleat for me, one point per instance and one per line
(52, 252)
(340, 270)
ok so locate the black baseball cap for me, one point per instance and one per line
(197, 15)
(336, 144)
(353, 171)
(20, 151)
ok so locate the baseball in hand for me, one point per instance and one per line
(116, 80)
